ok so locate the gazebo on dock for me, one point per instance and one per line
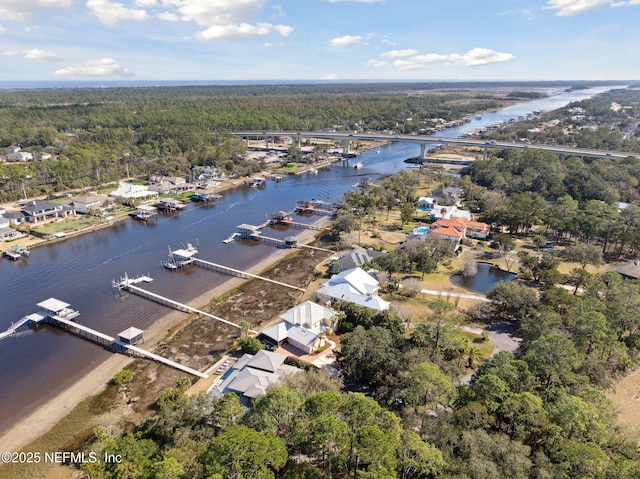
(131, 335)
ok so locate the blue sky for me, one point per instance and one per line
(319, 39)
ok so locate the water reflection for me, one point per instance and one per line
(484, 280)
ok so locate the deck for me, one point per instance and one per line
(240, 274)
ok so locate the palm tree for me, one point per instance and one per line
(475, 356)
(244, 328)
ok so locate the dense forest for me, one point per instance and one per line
(101, 135)
(540, 415)
(608, 121)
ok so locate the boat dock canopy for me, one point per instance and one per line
(53, 305)
(130, 335)
(184, 253)
(147, 208)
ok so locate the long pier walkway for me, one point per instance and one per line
(113, 343)
(240, 274)
(177, 305)
(14, 327)
(304, 226)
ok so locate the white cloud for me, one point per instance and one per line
(479, 56)
(33, 54)
(242, 30)
(42, 55)
(2, 29)
(145, 3)
(103, 67)
(19, 9)
(571, 7)
(345, 40)
(110, 13)
(169, 16)
(231, 19)
(377, 63)
(473, 58)
(408, 65)
(400, 53)
(330, 76)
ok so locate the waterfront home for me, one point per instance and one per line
(251, 375)
(13, 149)
(303, 327)
(6, 232)
(353, 285)
(40, 210)
(86, 204)
(129, 190)
(169, 184)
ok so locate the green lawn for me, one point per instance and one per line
(67, 225)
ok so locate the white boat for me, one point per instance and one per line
(169, 264)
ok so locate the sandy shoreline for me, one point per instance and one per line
(44, 418)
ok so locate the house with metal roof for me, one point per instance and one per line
(356, 286)
(252, 374)
(303, 327)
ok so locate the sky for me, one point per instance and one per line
(53, 40)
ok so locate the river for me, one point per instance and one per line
(37, 365)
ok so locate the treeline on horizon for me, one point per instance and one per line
(34, 96)
(102, 135)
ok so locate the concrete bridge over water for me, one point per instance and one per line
(424, 140)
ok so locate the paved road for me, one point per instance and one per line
(428, 139)
(451, 294)
(501, 336)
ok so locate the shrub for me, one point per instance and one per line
(250, 345)
(122, 377)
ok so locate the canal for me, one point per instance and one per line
(37, 365)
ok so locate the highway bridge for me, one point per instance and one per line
(425, 140)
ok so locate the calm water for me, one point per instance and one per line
(484, 280)
(36, 365)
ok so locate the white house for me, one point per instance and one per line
(303, 326)
(20, 156)
(356, 286)
(85, 204)
(438, 211)
(129, 190)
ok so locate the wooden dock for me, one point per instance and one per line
(177, 305)
(63, 317)
(304, 226)
(218, 268)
